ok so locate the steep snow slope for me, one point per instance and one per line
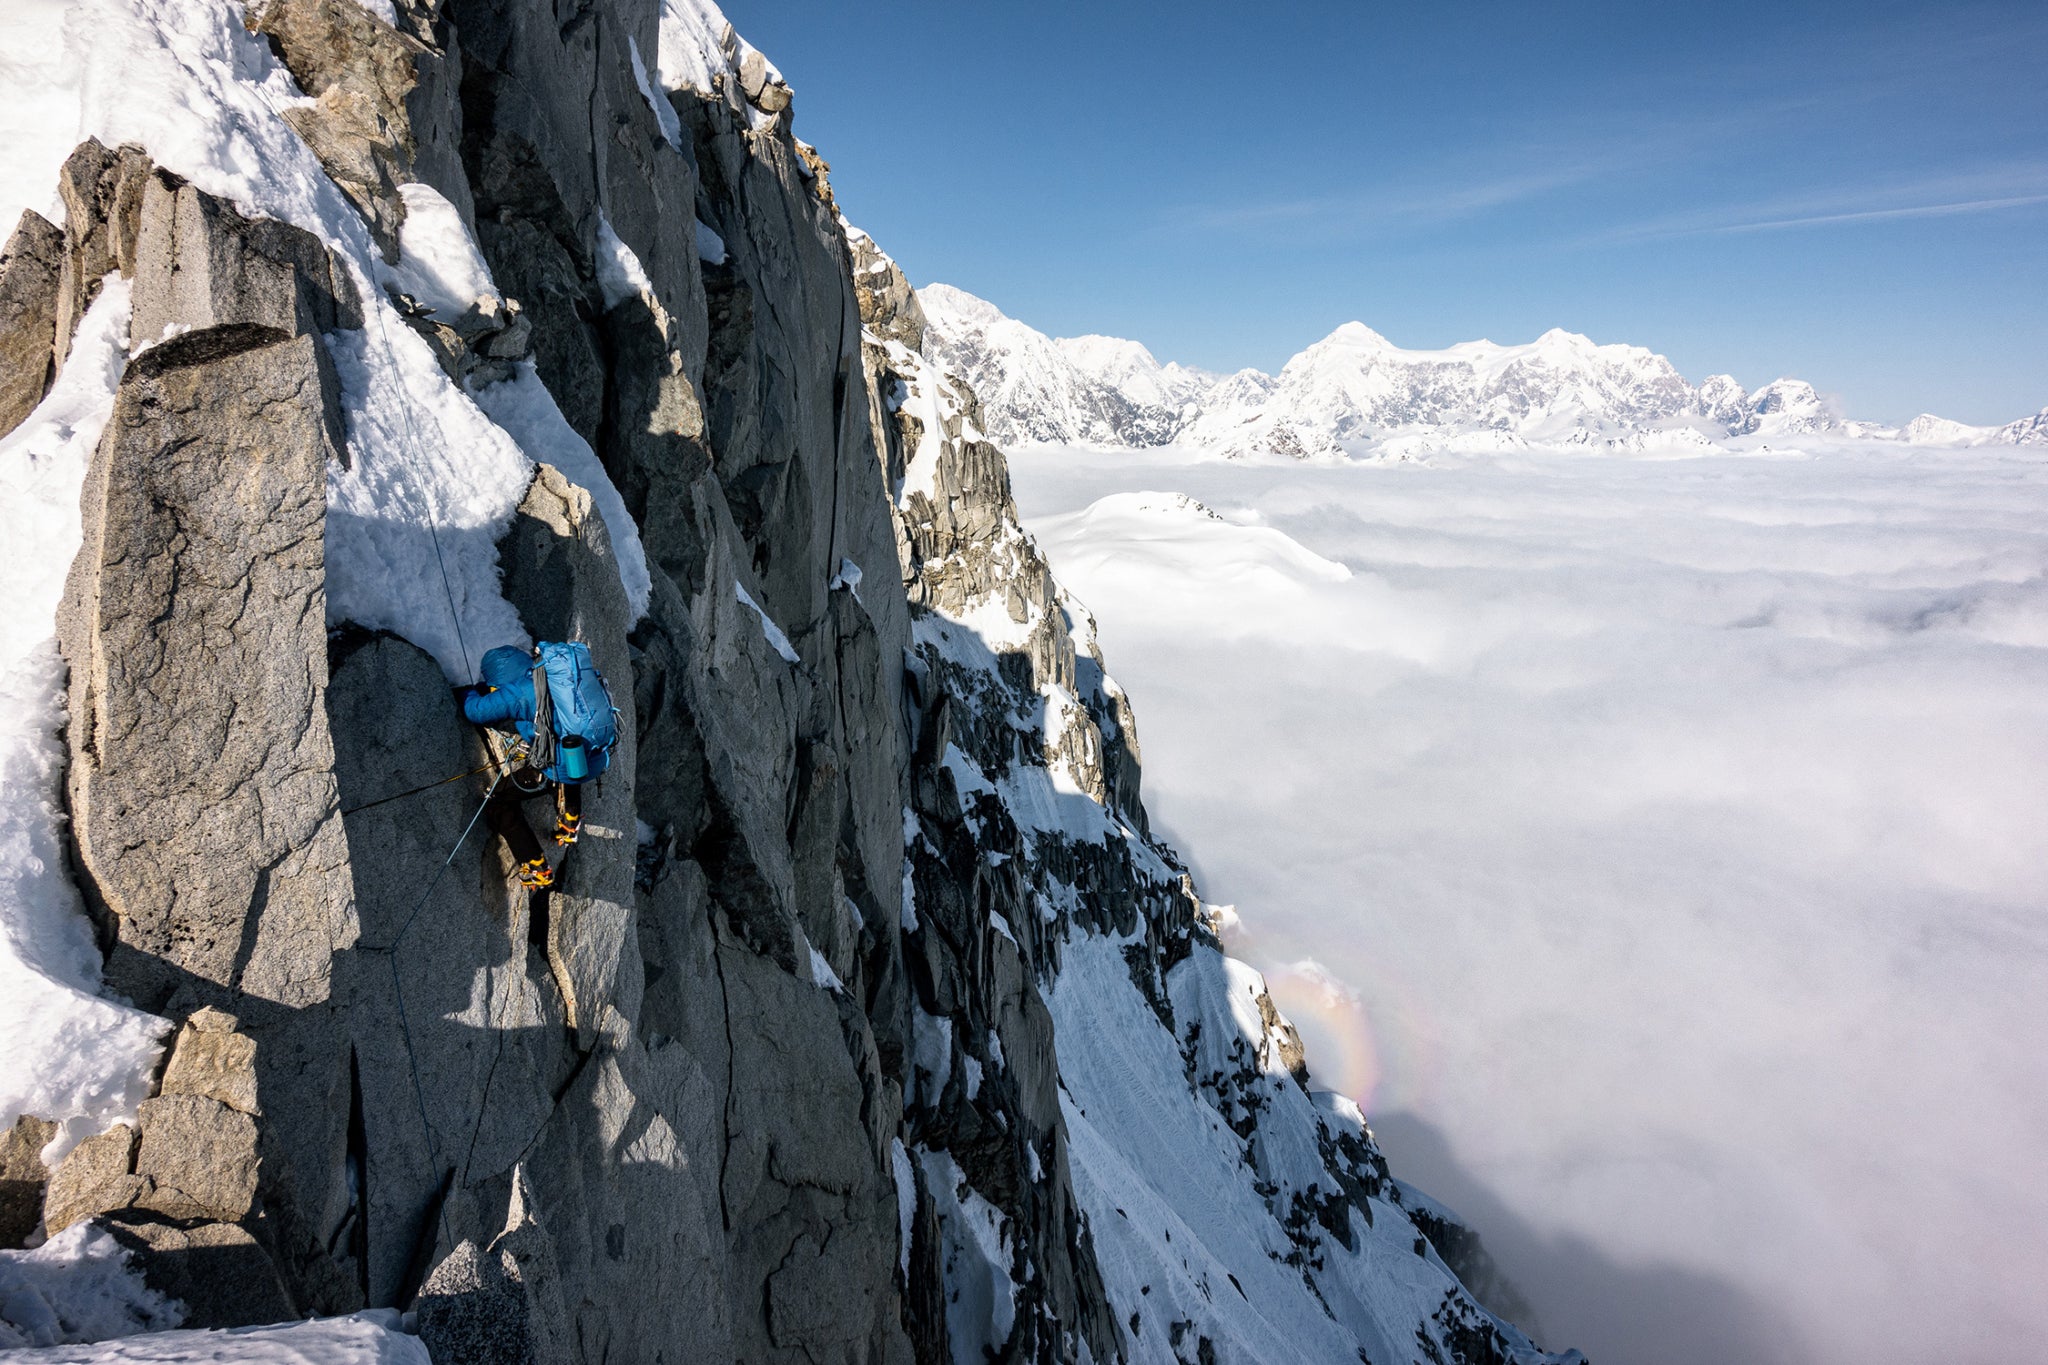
(2027, 431)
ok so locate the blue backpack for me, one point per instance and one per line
(575, 725)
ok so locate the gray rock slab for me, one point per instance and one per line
(30, 264)
(97, 1176)
(200, 1156)
(562, 574)
(202, 791)
(455, 1020)
(203, 799)
(210, 1058)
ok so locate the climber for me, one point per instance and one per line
(557, 702)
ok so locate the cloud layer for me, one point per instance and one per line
(1678, 826)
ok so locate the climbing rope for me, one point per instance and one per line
(400, 796)
(390, 952)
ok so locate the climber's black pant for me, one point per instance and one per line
(505, 813)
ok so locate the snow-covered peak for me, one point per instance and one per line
(1133, 371)
(1723, 401)
(1354, 336)
(958, 307)
(1355, 386)
(1788, 406)
(2028, 431)
(1033, 388)
(1929, 430)
(1355, 392)
(1112, 358)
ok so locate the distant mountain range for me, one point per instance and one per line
(1354, 392)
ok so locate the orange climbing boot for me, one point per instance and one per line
(536, 875)
(566, 827)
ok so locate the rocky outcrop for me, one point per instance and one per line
(203, 799)
(29, 271)
(202, 789)
(501, 1305)
(23, 1179)
(102, 195)
(359, 71)
(773, 1072)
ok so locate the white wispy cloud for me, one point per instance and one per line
(1880, 215)
(1411, 205)
(1991, 189)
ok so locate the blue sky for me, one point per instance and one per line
(1854, 194)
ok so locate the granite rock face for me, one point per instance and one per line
(29, 271)
(775, 1072)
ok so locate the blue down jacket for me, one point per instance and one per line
(508, 673)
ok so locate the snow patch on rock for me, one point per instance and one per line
(66, 1053)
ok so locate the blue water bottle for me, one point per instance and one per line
(572, 758)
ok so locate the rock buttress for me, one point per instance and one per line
(204, 807)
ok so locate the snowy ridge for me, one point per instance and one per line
(1236, 1213)
(1036, 389)
(1354, 393)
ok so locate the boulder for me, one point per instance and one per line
(210, 1058)
(200, 1157)
(22, 1179)
(30, 264)
(219, 1272)
(102, 194)
(97, 1177)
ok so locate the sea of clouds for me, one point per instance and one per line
(1659, 848)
